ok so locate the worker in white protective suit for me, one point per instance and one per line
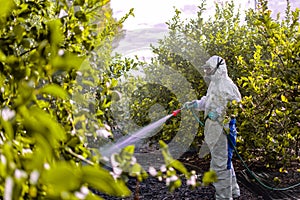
(221, 91)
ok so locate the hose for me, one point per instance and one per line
(244, 163)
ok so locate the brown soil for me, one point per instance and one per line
(152, 189)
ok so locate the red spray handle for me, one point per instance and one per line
(176, 112)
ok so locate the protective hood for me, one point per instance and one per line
(215, 68)
(221, 89)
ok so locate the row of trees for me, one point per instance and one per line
(262, 55)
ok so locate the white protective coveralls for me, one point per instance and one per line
(221, 91)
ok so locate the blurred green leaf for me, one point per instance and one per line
(163, 145)
(56, 35)
(179, 166)
(44, 152)
(2, 56)
(8, 129)
(41, 47)
(170, 161)
(101, 180)
(92, 196)
(104, 2)
(6, 7)
(40, 122)
(136, 169)
(209, 177)
(129, 149)
(54, 90)
(67, 62)
(62, 177)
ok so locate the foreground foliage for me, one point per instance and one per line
(47, 51)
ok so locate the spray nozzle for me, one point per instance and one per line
(176, 112)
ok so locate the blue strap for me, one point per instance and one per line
(232, 137)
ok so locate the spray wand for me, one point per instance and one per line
(176, 112)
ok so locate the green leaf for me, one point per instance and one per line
(19, 32)
(6, 7)
(56, 36)
(209, 177)
(106, 104)
(67, 62)
(40, 122)
(284, 99)
(101, 180)
(2, 56)
(136, 169)
(177, 184)
(179, 166)
(62, 177)
(9, 132)
(166, 154)
(279, 113)
(54, 90)
(162, 144)
(43, 151)
(129, 149)
(92, 196)
(104, 2)
(114, 82)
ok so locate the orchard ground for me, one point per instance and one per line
(152, 189)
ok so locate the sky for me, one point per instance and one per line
(150, 13)
(149, 23)
(154, 13)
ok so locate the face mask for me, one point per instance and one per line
(207, 79)
(208, 71)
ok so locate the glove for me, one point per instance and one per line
(189, 105)
(201, 103)
(213, 116)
